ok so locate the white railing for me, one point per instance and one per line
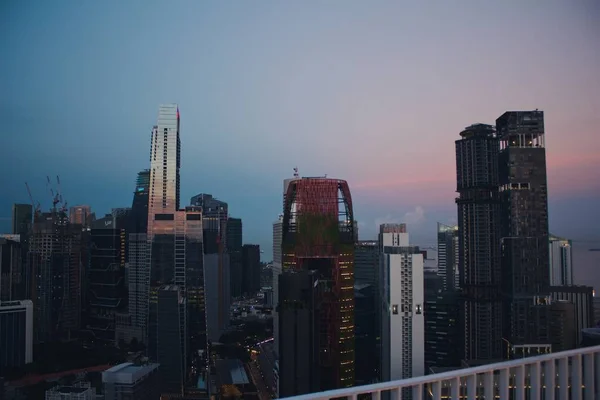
(573, 374)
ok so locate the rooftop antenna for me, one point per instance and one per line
(296, 172)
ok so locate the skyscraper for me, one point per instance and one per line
(251, 269)
(479, 230)
(55, 254)
(318, 235)
(561, 261)
(448, 256)
(402, 293)
(234, 248)
(139, 206)
(22, 218)
(524, 221)
(81, 215)
(174, 236)
(106, 278)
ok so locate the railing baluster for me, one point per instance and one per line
(588, 376)
(455, 389)
(376, 395)
(488, 385)
(437, 390)
(550, 380)
(472, 387)
(576, 377)
(535, 381)
(417, 392)
(504, 384)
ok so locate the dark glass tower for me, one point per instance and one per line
(478, 223)
(524, 223)
(22, 218)
(234, 248)
(139, 206)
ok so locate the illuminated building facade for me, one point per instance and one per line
(174, 237)
(318, 235)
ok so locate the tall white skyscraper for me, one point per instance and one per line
(402, 316)
(561, 261)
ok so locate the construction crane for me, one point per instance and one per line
(36, 208)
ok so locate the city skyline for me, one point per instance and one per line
(257, 82)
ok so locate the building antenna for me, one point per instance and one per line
(296, 172)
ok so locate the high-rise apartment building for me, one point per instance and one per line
(524, 239)
(478, 242)
(22, 218)
(318, 235)
(561, 261)
(55, 257)
(448, 256)
(402, 305)
(174, 236)
(16, 334)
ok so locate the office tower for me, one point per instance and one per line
(216, 274)
(215, 215)
(55, 254)
(13, 275)
(139, 206)
(366, 299)
(22, 218)
(106, 278)
(562, 326)
(251, 269)
(524, 237)
(277, 268)
(402, 319)
(172, 338)
(313, 239)
(561, 261)
(366, 262)
(365, 334)
(300, 320)
(478, 229)
(81, 215)
(16, 334)
(138, 280)
(234, 248)
(582, 297)
(443, 340)
(131, 381)
(175, 239)
(448, 256)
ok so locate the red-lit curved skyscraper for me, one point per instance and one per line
(318, 236)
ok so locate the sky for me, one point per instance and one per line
(375, 93)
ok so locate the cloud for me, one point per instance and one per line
(414, 217)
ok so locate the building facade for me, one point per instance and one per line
(524, 238)
(131, 381)
(318, 235)
(234, 249)
(16, 334)
(22, 218)
(14, 277)
(561, 261)
(251, 269)
(402, 305)
(448, 256)
(478, 242)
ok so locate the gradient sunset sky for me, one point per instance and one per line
(374, 92)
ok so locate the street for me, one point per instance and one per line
(257, 379)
